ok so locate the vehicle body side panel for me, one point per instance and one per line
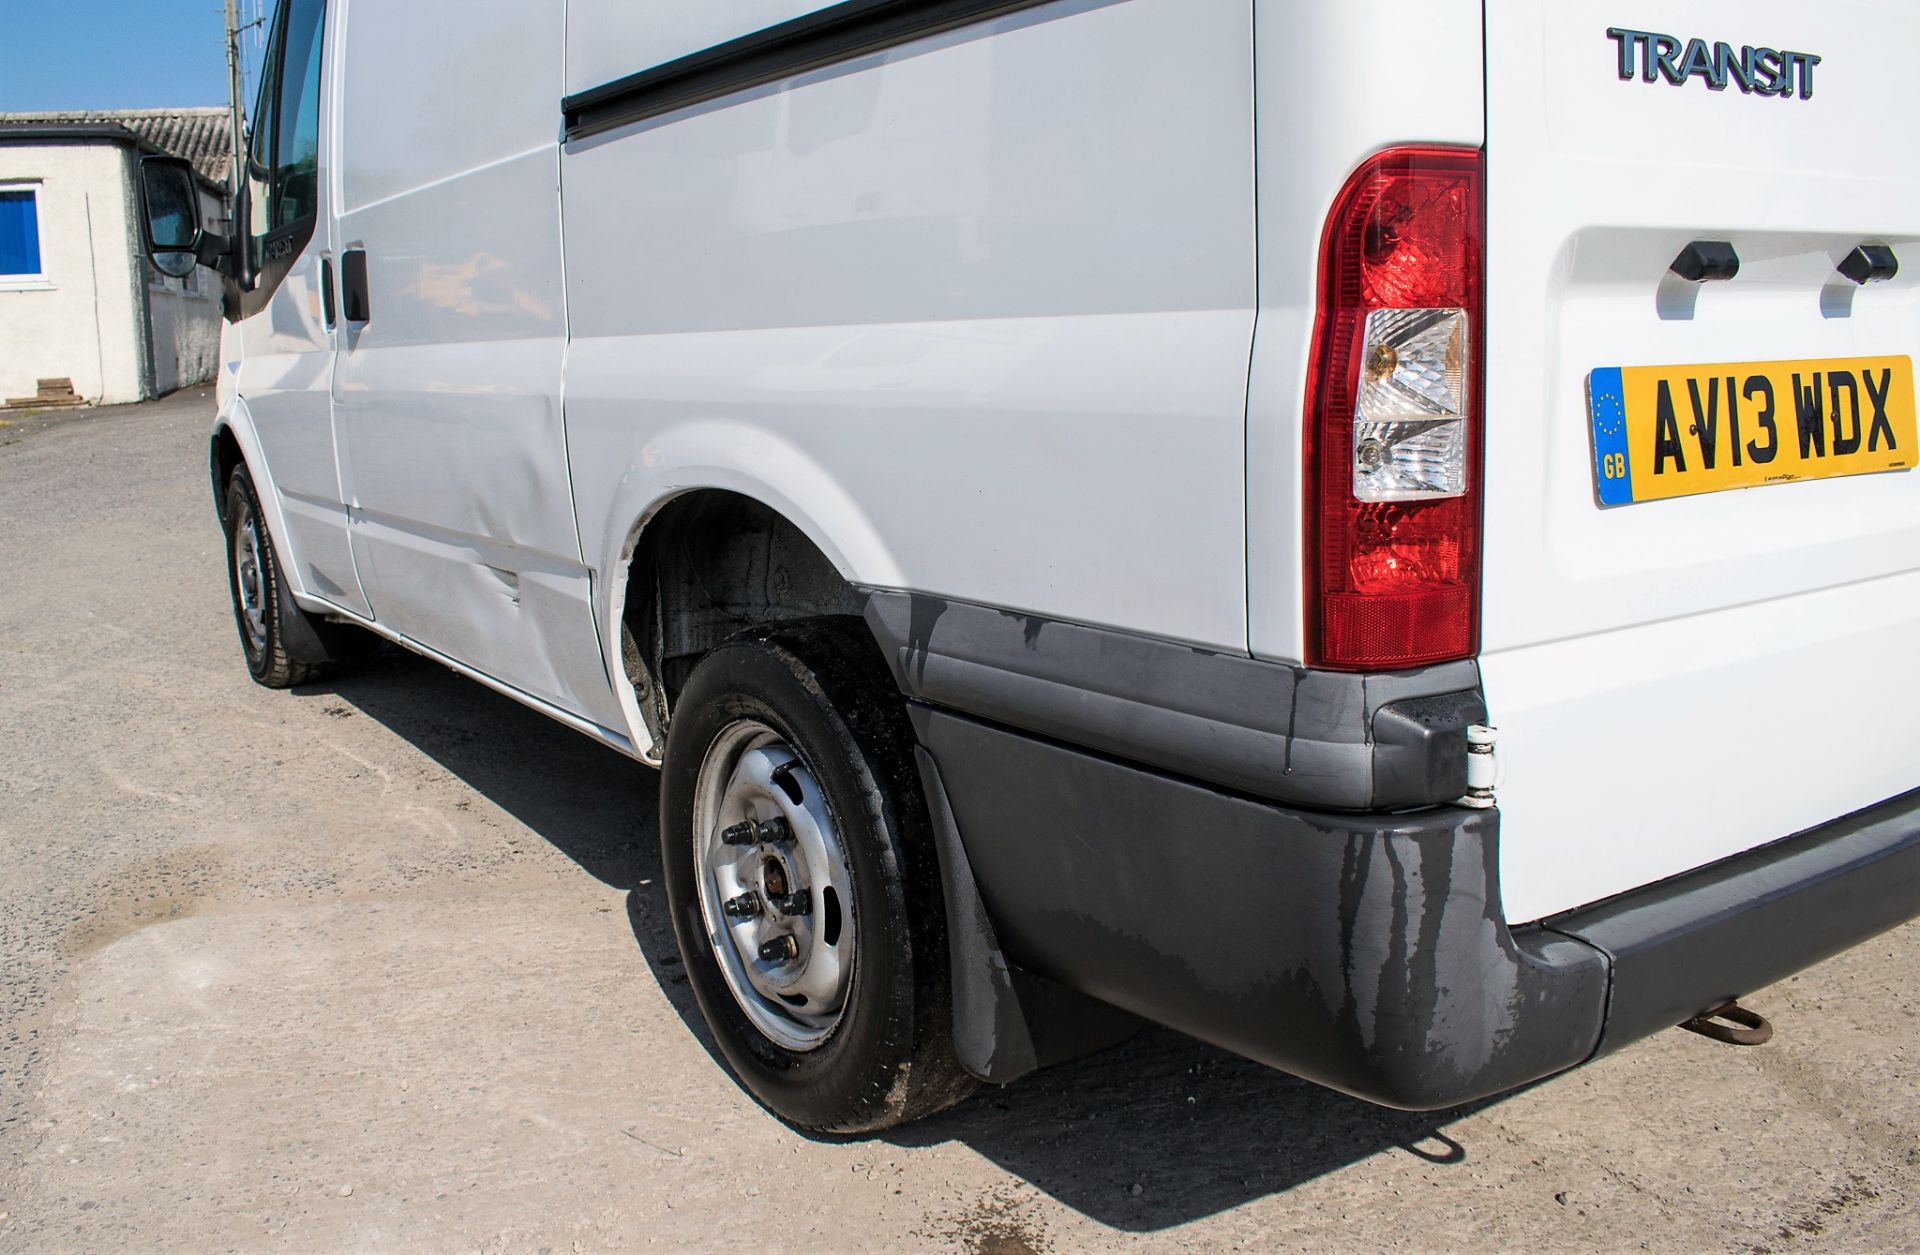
(990, 284)
(283, 359)
(285, 370)
(448, 400)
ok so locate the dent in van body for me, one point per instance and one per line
(448, 399)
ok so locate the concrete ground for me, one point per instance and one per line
(383, 963)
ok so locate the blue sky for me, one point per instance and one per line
(111, 54)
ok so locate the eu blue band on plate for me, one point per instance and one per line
(1613, 470)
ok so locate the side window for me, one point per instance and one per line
(296, 189)
(283, 157)
(260, 145)
(19, 234)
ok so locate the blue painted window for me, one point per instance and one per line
(19, 232)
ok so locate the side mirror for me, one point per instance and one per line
(176, 236)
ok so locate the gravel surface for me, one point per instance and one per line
(383, 963)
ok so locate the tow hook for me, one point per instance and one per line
(1483, 767)
(1733, 1024)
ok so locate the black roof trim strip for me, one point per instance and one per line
(56, 131)
(839, 32)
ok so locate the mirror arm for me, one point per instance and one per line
(236, 262)
(215, 251)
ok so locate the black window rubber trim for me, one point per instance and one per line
(837, 33)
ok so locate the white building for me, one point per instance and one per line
(83, 315)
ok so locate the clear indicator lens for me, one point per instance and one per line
(1409, 422)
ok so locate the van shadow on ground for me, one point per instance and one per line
(1196, 1129)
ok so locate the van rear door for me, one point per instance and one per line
(1681, 667)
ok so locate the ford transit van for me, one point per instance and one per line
(1380, 535)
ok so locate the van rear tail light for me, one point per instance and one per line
(1393, 417)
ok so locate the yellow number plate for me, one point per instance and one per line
(1671, 431)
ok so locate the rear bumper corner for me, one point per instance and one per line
(1369, 952)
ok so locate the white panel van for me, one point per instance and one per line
(1381, 535)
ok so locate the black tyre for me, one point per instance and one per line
(803, 881)
(284, 645)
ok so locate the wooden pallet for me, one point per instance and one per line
(53, 394)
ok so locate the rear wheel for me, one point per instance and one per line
(803, 884)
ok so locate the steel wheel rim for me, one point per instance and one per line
(249, 580)
(751, 776)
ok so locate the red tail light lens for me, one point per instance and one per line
(1393, 477)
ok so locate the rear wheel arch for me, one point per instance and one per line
(703, 566)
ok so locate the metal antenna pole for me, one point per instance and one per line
(233, 98)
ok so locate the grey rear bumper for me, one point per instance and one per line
(1370, 952)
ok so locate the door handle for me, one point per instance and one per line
(326, 291)
(353, 285)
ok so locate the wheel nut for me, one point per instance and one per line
(793, 903)
(749, 832)
(780, 950)
(746, 906)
